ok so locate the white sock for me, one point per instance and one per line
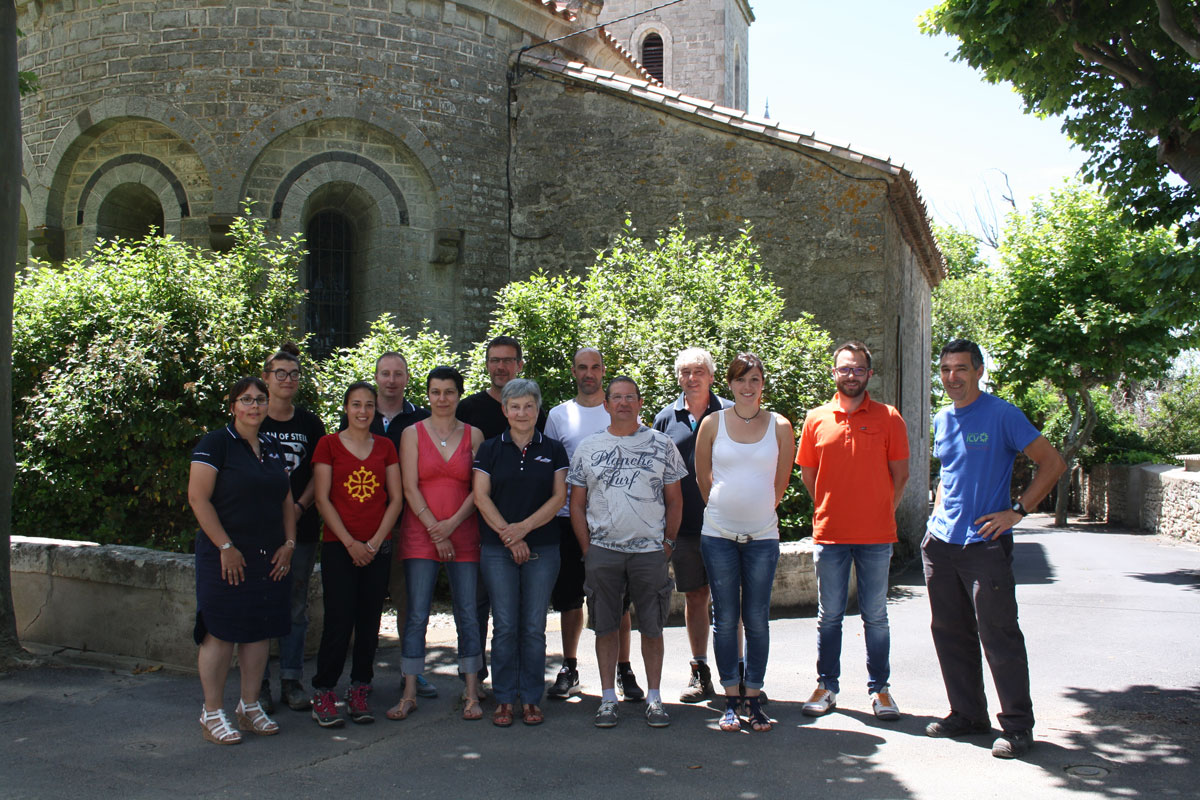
(699, 659)
(610, 695)
(653, 696)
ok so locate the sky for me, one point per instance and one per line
(861, 73)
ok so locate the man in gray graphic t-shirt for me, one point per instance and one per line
(625, 510)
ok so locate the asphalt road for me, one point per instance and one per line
(1110, 618)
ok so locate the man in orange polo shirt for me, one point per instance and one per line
(853, 459)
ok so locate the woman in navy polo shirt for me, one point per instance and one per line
(239, 491)
(520, 483)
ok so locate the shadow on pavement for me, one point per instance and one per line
(1188, 578)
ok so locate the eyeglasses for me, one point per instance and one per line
(623, 398)
(496, 361)
(247, 401)
(846, 372)
(286, 375)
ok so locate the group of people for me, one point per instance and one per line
(528, 510)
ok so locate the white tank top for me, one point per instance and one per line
(742, 499)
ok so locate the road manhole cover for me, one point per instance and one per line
(1087, 771)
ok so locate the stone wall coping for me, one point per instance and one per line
(123, 565)
(1169, 472)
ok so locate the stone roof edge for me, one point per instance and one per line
(627, 56)
(903, 194)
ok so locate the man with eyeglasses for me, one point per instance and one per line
(483, 410)
(853, 459)
(626, 505)
(968, 546)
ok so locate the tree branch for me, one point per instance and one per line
(1130, 75)
(1138, 56)
(1172, 28)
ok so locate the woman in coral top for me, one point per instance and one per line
(440, 527)
(358, 492)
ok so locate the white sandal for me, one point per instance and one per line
(252, 718)
(216, 727)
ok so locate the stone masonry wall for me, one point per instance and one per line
(1171, 504)
(214, 84)
(583, 159)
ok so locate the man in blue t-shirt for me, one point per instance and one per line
(967, 552)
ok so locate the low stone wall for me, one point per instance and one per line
(1171, 504)
(128, 601)
(140, 603)
(1113, 493)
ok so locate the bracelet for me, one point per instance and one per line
(290, 543)
(422, 511)
(226, 546)
(368, 544)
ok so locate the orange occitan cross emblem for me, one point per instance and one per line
(361, 484)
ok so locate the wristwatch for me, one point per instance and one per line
(1020, 509)
(226, 546)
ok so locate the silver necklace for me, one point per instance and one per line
(442, 439)
(747, 419)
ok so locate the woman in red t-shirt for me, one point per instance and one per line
(359, 495)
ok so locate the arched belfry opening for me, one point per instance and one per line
(329, 237)
(652, 55)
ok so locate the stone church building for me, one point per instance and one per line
(431, 151)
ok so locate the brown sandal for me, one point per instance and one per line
(502, 717)
(402, 709)
(471, 709)
(532, 715)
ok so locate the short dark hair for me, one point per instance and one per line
(245, 383)
(503, 341)
(370, 387)
(622, 379)
(964, 346)
(444, 374)
(391, 354)
(854, 346)
(288, 351)
(743, 363)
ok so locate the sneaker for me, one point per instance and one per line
(264, 698)
(324, 709)
(699, 686)
(567, 684)
(1012, 744)
(292, 693)
(356, 704)
(425, 688)
(884, 705)
(822, 702)
(627, 686)
(955, 724)
(656, 716)
(606, 716)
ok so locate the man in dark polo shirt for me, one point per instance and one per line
(680, 420)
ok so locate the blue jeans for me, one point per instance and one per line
(740, 577)
(520, 599)
(291, 647)
(832, 563)
(421, 576)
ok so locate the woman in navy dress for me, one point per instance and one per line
(239, 491)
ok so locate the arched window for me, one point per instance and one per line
(330, 263)
(652, 56)
(129, 211)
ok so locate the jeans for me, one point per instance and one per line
(740, 577)
(421, 576)
(832, 563)
(353, 605)
(973, 602)
(291, 647)
(520, 599)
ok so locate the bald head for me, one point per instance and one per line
(587, 367)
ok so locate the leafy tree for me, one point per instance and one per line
(1174, 427)
(423, 351)
(642, 302)
(1087, 307)
(123, 359)
(1123, 74)
(966, 304)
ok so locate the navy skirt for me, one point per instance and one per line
(258, 608)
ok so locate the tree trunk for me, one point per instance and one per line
(1077, 438)
(10, 217)
(1179, 150)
